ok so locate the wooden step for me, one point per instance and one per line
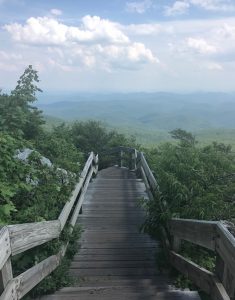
(108, 264)
(112, 294)
(118, 251)
(125, 272)
(115, 257)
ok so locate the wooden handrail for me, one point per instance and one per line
(15, 239)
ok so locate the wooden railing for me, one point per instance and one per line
(15, 239)
(214, 236)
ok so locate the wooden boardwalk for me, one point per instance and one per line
(115, 260)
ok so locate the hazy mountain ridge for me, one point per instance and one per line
(156, 111)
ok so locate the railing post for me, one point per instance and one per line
(176, 244)
(121, 158)
(5, 275)
(224, 274)
(134, 158)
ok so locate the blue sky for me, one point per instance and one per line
(105, 46)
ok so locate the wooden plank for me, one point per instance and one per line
(5, 275)
(87, 165)
(37, 273)
(225, 247)
(5, 246)
(127, 272)
(63, 217)
(96, 161)
(10, 292)
(112, 264)
(114, 257)
(81, 199)
(148, 172)
(29, 235)
(121, 158)
(148, 189)
(202, 233)
(201, 277)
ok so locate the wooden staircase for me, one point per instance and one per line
(115, 260)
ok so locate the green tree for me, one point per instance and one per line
(17, 114)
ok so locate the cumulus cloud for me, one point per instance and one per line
(44, 30)
(127, 57)
(96, 42)
(201, 46)
(178, 8)
(56, 12)
(139, 7)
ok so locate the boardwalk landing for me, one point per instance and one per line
(115, 261)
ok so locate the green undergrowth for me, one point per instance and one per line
(60, 277)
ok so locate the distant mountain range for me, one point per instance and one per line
(147, 111)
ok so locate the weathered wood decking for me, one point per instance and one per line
(115, 260)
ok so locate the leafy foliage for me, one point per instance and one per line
(32, 190)
(194, 183)
(17, 115)
(94, 135)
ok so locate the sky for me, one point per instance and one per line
(119, 45)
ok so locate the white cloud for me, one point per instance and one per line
(108, 57)
(226, 31)
(178, 8)
(201, 46)
(9, 61)
(181, 7)
(139, 7)
(148, 29)
(9, 56)
(213, 66)
(49, 31)
(95, 43)
(128, 57)
(214, 5)
(56, 12)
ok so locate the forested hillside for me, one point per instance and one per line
(151, 116)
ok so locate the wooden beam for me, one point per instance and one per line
(148, 189)
(87, 165)
(134, 158)
(10, 292)
(148, 172)
(29, 235)
(201, 277)
(202, 233)
(5, 275)
(5, 246)
(225, 247)
(121, 158)
(29, 279)
(81, 198)
(63, 217)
